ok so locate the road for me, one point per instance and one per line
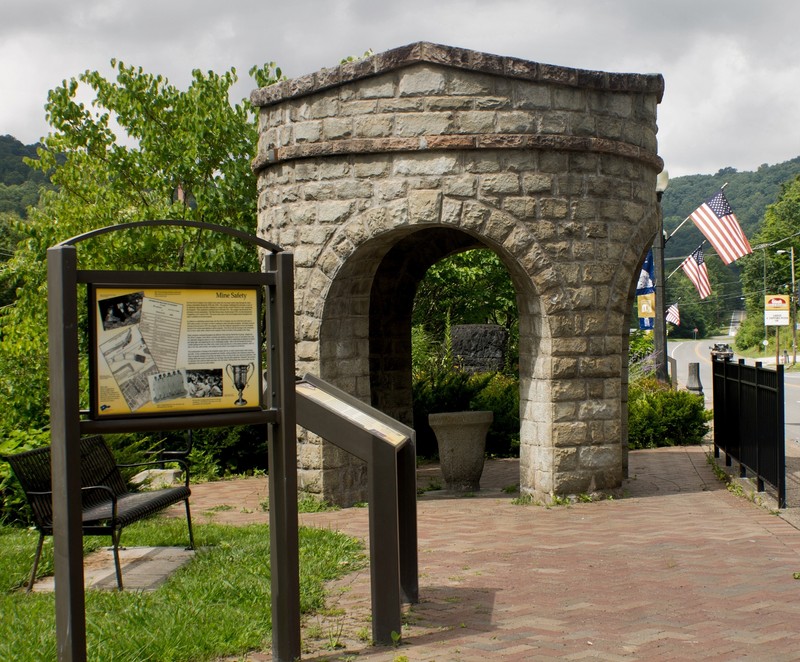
(697, 351)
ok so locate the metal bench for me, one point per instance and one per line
(106, 503)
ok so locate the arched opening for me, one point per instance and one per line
(365, 335)
(465, 321)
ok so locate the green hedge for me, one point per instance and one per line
(439, 387)
(660, 416)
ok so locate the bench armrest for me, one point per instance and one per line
(48, 492)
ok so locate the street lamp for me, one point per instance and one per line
(660, 322)
(794, 305)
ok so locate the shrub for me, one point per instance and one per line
(660, 416)
(750, 334)
(501, 395)
(441, 387)
(222, 451)
(641, 345)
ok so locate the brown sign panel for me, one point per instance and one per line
(168, 350)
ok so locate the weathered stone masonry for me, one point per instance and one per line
(375, 170)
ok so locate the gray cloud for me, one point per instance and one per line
(731, 66)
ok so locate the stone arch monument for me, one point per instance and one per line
(374, 170)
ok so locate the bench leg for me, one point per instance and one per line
(36, 562)
(189, 523)
(115, 541)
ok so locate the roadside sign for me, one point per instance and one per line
(776, 310)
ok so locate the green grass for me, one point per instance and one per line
(306, 503)
(217, 605)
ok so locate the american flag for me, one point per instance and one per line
(695, 269)
(716, 220)
(674, 315)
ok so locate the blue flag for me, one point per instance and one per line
(645, 294)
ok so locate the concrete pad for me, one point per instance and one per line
(143, 568)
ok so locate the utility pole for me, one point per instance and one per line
(794, 311)
(794, 305)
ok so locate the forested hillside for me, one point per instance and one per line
(19, 183)
(749, 193)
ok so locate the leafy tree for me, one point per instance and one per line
(12, 231)
(472, 287)
(20, 184)
(13, 169)
(17, 198)
(766, 271)
(143, 149)
(749, 194)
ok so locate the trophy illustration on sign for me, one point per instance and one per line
(240, 375)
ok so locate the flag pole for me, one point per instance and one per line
(678, 228)
(702, 243)
(678, 300)
(660, 323)
(684, 221)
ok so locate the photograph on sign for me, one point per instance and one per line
(161, 350)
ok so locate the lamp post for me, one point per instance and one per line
(660, 322)
(794, 305)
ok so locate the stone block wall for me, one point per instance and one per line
(371, 172)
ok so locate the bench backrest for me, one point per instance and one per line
(32, 469)
(98, 467)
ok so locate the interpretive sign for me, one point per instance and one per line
(357, 415)
(165, 350)
(387, 448)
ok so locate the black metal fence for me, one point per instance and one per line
(749, 421)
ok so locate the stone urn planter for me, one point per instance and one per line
(461, 436)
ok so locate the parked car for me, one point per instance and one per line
(721, 351)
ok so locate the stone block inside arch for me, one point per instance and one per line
(375, 170)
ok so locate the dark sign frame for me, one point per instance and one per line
(69, 422)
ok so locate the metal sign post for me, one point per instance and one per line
(387, 446)
(68, 426)
(65, 436)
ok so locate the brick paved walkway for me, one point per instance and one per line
(678, 569)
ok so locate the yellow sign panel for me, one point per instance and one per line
(163, 350)
(647, 305)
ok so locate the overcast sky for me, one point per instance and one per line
(731, 67)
